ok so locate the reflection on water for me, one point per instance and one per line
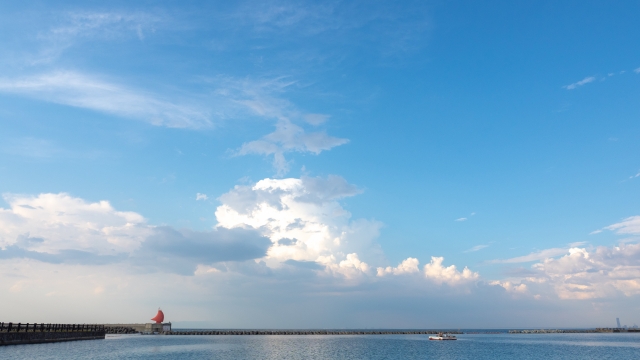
(481, 346)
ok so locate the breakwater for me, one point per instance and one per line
(16, 334)
(553, 331)
(120, 330)
(574, 331)
(309, 332)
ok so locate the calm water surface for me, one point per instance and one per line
(489, 346)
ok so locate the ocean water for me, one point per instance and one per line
(468, 346)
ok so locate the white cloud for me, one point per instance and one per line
(477, 248)
(302, 217)
(316, 119)
(351, 267)
(584, 81)
(600, 273)
(439, 274)
(200, 196)
(511, 287)
(296, 222)
(314, 251)
(61, 229)
(538, 255)
(90, 92)
(54, 222)
(308, 227)
(462, 219)
(628, 226)
(104, 24)
(606, 272)
(77, 26)
(408, 266)
(290, 137)
(637, 71)
(263, 98)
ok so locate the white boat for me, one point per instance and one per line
(443, 336)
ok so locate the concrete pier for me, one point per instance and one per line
(148, 328)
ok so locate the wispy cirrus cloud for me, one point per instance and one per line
(590, 79)
(628, 226)
(94, 93)
(38, 148)
(534, 256)
(582, 82)
(78, 26)
(477, 248)
(290, 137)
(232, 98)
(264, 98)
(333, 22)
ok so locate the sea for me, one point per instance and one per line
(468, 346)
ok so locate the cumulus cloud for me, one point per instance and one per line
(581, 273)
(302, 217)
(59, 228)
(351, 267)
(606, 272)
(585, 275)
(91, 92)
(439, 274)
(275, 227)
(577, 84)
(510, 286)
(407, 266)
(65, 222)
(308, 227)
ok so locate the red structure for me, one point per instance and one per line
(159, 317)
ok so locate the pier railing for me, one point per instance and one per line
(42, 327)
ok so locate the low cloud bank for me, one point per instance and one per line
(61, 229)
(292, 229)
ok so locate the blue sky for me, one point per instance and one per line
(298, 152)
